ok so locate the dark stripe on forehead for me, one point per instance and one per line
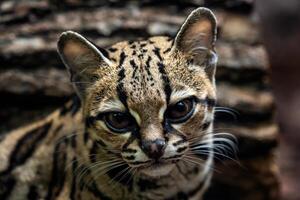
(135, 67)
(150, 77)
(157, 53)
(166, 81)
(26, 146)
(120, 87)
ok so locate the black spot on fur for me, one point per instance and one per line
(129, 150)
(167, 50)
(133, 65)
(178, 142)
(111, 49)
(181, 149)
(129, 157)
(157, 53)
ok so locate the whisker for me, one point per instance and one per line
(229, 111)
(118, 175)
(126, 173)
(196, 160)
(103, 170)
(100, 164)
(217, 153)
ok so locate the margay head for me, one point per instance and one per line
(148, 103)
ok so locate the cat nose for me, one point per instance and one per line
(154, 149)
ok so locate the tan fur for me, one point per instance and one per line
(143, 78)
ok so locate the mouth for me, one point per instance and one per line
(157, 168)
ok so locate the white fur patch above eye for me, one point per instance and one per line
(178, 95)
(112, 105)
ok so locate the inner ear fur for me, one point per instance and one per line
(81, 58)
(196, 39)
(198, 31)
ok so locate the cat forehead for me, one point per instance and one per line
(146, 72)
(140, 50)
(141, 64)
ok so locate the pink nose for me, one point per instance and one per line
(154, 149)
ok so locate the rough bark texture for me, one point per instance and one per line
(33, 80)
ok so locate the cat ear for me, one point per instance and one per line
(82, 59)
(196, 39)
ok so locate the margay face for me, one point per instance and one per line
(147, 102)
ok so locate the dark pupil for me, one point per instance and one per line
(180, 107)
(118, 120)
(118, 117)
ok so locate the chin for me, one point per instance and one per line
(158, 170)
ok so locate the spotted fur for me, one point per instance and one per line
(72, 154)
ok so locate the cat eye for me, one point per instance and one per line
(119, 122)
(181, 111)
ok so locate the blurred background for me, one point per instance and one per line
(258, 47)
